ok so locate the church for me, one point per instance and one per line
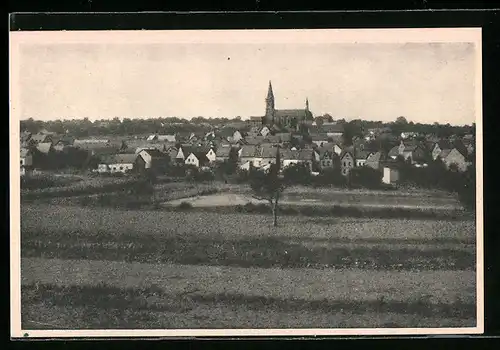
(289, 118)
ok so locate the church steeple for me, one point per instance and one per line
(307, 104)
(269, 118)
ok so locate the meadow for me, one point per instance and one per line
(170, 269)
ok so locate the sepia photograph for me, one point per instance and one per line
(246, 182)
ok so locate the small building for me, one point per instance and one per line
(121, 163)
(154, 159)
(390, 175)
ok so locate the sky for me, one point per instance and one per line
(425, 82)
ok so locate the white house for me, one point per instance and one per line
(120, 163)
(197, 159)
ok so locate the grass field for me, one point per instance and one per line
(82, 268)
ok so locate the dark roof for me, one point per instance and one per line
(155, 153)
(293, 113)
(256, 118)
(202, 156)
(122, 158)
(394, 151)
(223, 152)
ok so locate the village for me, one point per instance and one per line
(320, 144)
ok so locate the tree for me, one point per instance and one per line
(269, 185)
(319, 121)
(401, 120)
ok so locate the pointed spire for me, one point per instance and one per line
(270, 94)
(307, 104)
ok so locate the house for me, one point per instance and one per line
(414, 152)
(454, 157)
(264, 131)
(197, 159)
(183, 152)
(247, 153)
(162, 138)
(390, 174)
(153, 159)
(211, 155)
(438, 147)
(268, 154)
(319, 139)
(361, 157)
(121, 163)
(346, 162)
(326, 157)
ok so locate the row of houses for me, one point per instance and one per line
(256, 148)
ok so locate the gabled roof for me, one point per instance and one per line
(201, 156)
(361, 154)
(155, 153)
(374, 157)
(44, 147)
(444, 153)
(268, 151)
(346, 151)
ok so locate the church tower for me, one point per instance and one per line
(269, 117)
(307, 104)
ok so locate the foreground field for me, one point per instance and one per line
(219, 297)
(86, 267)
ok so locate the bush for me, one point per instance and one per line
(185, 206)
(366, 177)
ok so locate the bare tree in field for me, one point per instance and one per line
(269, 185)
